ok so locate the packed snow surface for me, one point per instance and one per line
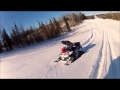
(100, 39)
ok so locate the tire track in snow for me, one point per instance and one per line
(108, 60)
(96, 66)
(107, 65)
(114, 71)
(105, 60)
(91, 39)
(96, 72)
(88, 39)
(89, 42)
(93, 36)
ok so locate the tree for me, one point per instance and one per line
(58, 29)
(67, 24)
(22, 35)
(1, 46)
(43, 31)
(6, 40)
(1, 50)
(82, 16)
(75, 18)
(16, 36)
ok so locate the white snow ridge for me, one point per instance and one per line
(100, 39)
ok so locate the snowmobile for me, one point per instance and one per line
(70, 52)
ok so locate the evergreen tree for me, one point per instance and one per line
(48, 30)
(44, 32)
(52, 29)
(67, 24)
(82, 16)
(75, 18)
(58, 29)
(22, 35)
(1, 46)
(13, 38)
(6, 40)
(16, 36)
(39, 24)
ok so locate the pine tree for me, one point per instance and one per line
(32, 38)
(6, 40)
(22, 35)
(13, 37)
(67, 24)
(39, 24)
(44, 32)
(52, 29)
(82, 16)
(58, 29)
(1, 50)
(48, 30)
(1, 46)
(16, 36)
(75, 19)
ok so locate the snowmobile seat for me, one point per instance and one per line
(77, 44)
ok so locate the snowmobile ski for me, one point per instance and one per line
(57, 60)
(68, 62)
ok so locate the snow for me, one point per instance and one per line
(101, 60)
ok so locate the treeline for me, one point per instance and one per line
(115, 16)
(19, 37)
(74, 19)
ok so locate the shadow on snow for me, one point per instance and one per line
(85, 49)
(114, 69)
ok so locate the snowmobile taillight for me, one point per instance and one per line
(63, 50)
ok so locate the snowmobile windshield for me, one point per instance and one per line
(68, 43)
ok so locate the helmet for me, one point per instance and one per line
(63, 50)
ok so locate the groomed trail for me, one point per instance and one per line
(100, 39)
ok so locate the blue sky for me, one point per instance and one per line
(31, 18)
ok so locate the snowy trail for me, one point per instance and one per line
(99, 39)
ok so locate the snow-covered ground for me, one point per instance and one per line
(100, 39)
